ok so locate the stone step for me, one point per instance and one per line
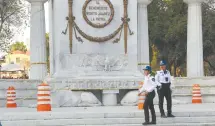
(187, 98)
(14, 116)
(171, 124)
(188, 89)
(107, 121)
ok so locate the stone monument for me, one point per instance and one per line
(98, 49)
(95, 48)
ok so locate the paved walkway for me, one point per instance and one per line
(115, 109)
(201, 114)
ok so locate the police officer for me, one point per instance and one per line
(163, 76)
(149, 89)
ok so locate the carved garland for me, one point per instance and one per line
(97, 39)
(98, 25)
(73, 25)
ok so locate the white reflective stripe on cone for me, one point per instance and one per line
(43, 87)
(197, 95)
(196, 91)
(196, 98)
(11, 91)
(141, 102)
(10, 102)
(11, 95)
(10, 98)
(43, 92)
(43, 97)
(43, 102)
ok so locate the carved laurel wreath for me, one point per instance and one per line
(97, 39)
(74, 27)
(98, 25)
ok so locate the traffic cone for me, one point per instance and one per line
(43, 98)
(11, 96)
(141, 98)
(197, 97)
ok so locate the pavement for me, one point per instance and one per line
(114, 109)
(186, 115)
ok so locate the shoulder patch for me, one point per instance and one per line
(153, 79)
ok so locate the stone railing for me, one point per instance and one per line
(26, 91)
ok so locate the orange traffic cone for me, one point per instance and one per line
(197, 97)
(11, 96)
(43, 98)
(141, 98)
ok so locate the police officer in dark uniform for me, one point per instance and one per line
(163, 76)
(149, 89)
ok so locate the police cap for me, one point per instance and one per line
(148, 68)
(162, 63)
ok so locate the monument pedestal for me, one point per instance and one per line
(107, 73)
(99, 50)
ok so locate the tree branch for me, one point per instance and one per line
(209, 63)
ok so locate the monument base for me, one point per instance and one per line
(109, 86)
(109, 97)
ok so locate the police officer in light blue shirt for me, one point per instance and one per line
(163, 76)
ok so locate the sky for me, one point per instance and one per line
(26, 35)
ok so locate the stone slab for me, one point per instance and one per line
(188, 81)
(205, 109)
(94, 83)
(190, 114)
(19, 84)
(108, 121)
(170, 124)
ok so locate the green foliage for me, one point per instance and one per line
(18, 46)
(153, 73)
(209, 36)
(13, 18)
(154, 61)
(168, 31)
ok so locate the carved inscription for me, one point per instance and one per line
(98, 13)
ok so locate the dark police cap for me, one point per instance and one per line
(162, 63)
(148, 68)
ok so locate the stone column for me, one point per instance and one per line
(51, 34)
(143, 35)
(38, 69)
(195, 66)
(109, 97)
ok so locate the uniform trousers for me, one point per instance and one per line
(148, 104)
(165, 91)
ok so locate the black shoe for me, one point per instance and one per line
(153, 122)
(163, 116)
(170, 115)
(146, 123)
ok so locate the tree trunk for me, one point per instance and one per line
(175, 67)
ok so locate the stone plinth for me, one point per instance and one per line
(109, 86)
(26, 90)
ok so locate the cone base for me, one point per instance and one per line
(196, 101)
(43, 108)
(140, 106)
(11, 105)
